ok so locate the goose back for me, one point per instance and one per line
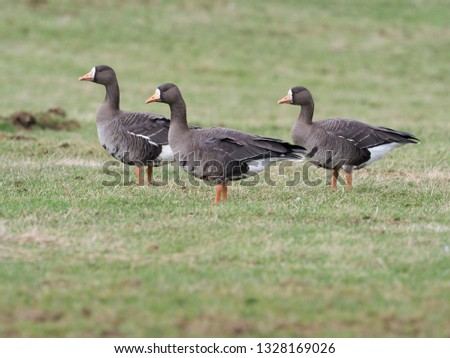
(222, 154)
(377, 141)
(136, 138)
(327, 150)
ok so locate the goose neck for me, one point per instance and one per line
(112, 97)
(178, 117)
(306, 113)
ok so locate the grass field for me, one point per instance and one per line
(81, 259)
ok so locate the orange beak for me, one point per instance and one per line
(285, 99)
(88, 76)
(154, 98)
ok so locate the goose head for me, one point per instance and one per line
(101, 74)
(299, 96)
(165, 93)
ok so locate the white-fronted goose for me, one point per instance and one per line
(218, 154)
(134, 138)
(340, 143)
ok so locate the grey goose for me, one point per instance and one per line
(134, 138)
(340, 143)
(218, 155)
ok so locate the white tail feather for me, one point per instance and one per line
(380, 151)
(166, 154)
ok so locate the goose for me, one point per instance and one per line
(340, 143)
(134, 138)
(218, 155)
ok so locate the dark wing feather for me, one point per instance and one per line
(222, 154)
(137, 138)
(363, 135)
(151, 125)
(240, 146)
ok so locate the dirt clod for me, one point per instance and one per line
(54, 118)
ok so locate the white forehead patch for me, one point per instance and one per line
(158, 93)
(290, 95)
(92, 73)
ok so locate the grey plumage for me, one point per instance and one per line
(219, 154)
(134, 138)
(340, 143)
(222, 154)
(354, 140)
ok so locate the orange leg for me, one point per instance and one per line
(334, 178)
(224, 192)
(348, 178)
(218, 193)
(140, 176)
(149, 174)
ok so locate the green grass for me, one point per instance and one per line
(78, 258)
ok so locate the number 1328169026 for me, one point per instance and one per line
(295, 348)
